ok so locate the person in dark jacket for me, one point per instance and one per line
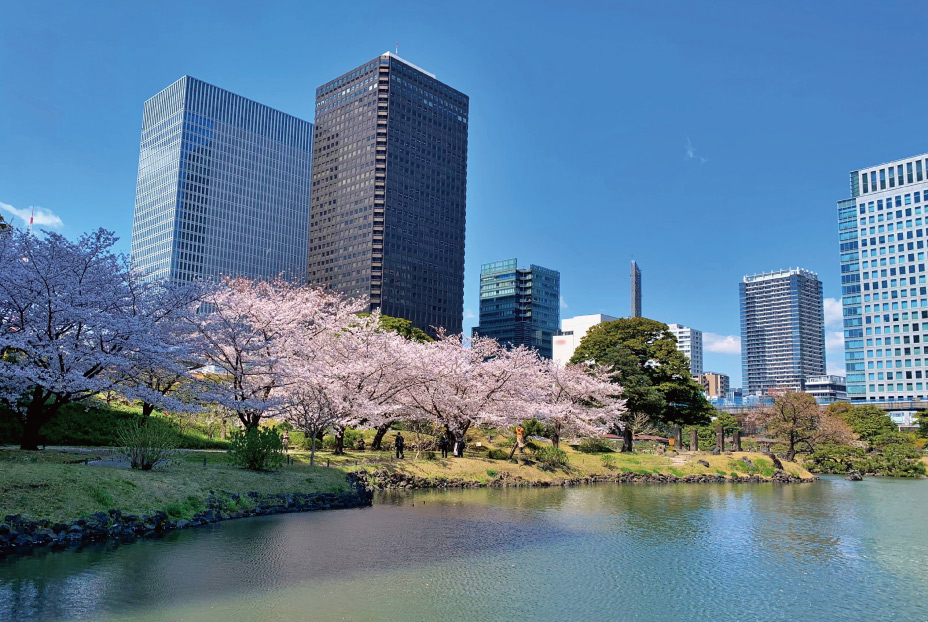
(399, 443)
(443, 446)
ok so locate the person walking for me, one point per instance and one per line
(399, 442)
(443, 446)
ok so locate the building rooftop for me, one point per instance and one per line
(778, 274)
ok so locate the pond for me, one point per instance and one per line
(833, 550)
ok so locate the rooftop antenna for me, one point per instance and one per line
(31, 218)
(397, 48)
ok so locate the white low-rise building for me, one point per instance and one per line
(573, 329)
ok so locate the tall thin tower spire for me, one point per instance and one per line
(636, 290)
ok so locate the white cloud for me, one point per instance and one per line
(690, 150)
(43, 217)
(469, 314)
(563, 303)
(835, 369)
(834, 314)
(722, 344)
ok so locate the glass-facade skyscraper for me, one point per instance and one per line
(519, 306)
(389, 185)
(782, 330)
(223, 187)
(882, 230)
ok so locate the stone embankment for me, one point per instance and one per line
(385, 480)
(21, 535)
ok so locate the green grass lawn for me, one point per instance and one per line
(58, 486)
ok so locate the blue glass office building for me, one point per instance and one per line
(519, 306)
(882, 229)
(223, 187)
(389, 192)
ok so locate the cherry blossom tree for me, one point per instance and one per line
(482, 384)
(353, 377)
(579, 399)
(247, 332)
(72, 320)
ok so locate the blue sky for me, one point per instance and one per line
(706, 140)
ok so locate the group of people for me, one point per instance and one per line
(445, 444)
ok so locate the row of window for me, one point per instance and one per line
(897, 175)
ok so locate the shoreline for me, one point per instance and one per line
(21, 536)
(397, 480)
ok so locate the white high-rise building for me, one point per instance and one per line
(689, 342)
(882, 230)
(573, 329)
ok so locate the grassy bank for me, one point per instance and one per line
(58, 486)
(580, 465)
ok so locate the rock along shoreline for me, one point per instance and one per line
(385, 480)
(19, 535)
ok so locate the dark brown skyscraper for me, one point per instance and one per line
(389, 191)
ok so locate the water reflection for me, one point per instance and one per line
(702, 552)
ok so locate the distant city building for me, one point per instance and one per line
(782, 330)
(636, 290)
(827, 389)
(882, 230)
(735, 394)
(714, 385)
(519, 306)
(389, 191)
(573, 329)
(689, 342)
(223, 187)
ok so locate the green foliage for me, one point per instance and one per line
(534, 427)
(93, 424)
(404, 328)
(185, 508)
(594, 445)
(923, 424)
(834, 458)
(146, 444)
(498, 454)
(869, 422)
(760, 467)
(492, 473)
(608, 461)
(654, 375)
(258, 449)
(552, 458)
(727, 421)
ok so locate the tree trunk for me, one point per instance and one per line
(382, 429)
(792, 448)
(556, 437)
(147, 409)
(38, 413)
(339, 441)
(628, 440)
(312, 452)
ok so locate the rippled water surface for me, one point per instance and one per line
(833, 550)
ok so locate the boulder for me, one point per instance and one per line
(702, 462)
(854, 476)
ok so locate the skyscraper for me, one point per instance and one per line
(689, 342)
(519, 306)
(223, 187)
(389, 185)
(782, 330)
(636, 290)
(882, 229)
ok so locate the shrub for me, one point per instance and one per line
(594, 445)
(258, 449)
(146, 444)
(498, 454)
(551, 457)
(608, 461)
(101, 496)
(492, 473)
